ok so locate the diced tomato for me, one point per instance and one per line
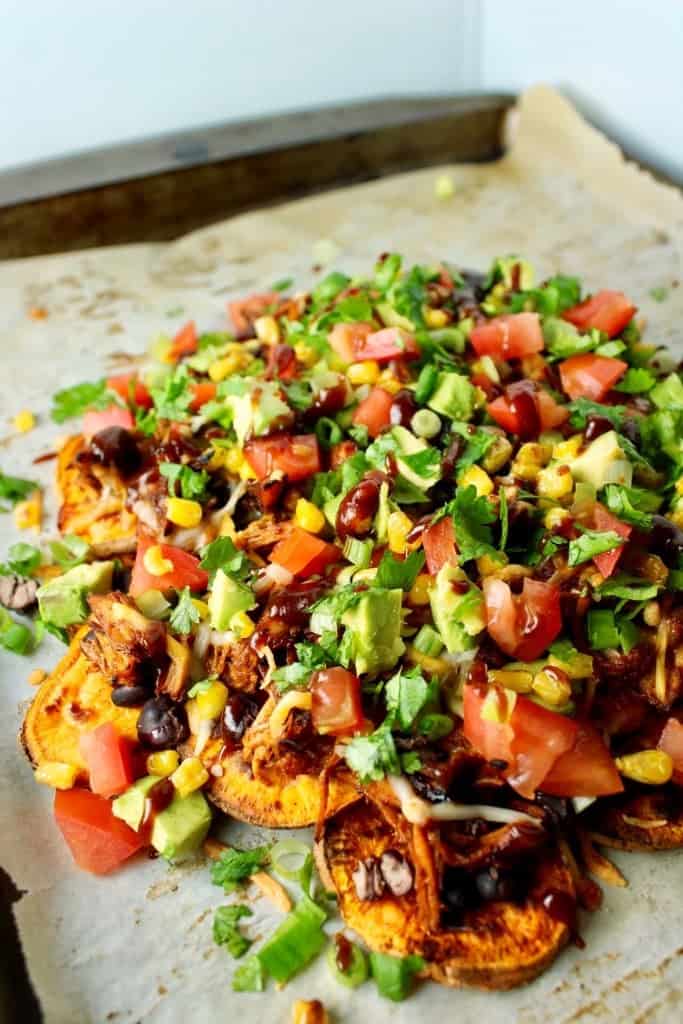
(185, 572)
(269, 493)
(114, 416)
(504, 414)
(336, 705)
(184, 343)
(551, 413)
(129, 385)
(243, 312)
(98, 841)
(508, 337)
(282, 363)
(604, 520)
(523, 625)
(109, 760)
(303, 554)
(588, 769)
(346, 339)
(295, 455)
(374, 412)
(590, 376)
(671, 742)
(491, 739)
(203, 391)
(438, 542)
(607, 311)
(526, 410)
(389, 343)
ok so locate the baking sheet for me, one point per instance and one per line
(137, 946)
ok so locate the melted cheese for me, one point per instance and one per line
(419, 811)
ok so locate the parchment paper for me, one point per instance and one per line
(137, 946)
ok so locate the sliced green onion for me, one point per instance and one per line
(426, 383)
(345, 575)
(14, 636)
(435, 726)
(394, 975)
(359, 552)
(284, 852)
(428, 642)
(328, 432)
(296, 942)
(357, 971)
(425, 423)
(153, 604)
(602, 629)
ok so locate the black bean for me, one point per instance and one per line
(596, 426)
(162, 723)
(129, 696)
(403, 408)
(666, 540)
(117, 446)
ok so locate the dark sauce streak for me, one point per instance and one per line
(47, 457)
(343, 952)
(158, 799)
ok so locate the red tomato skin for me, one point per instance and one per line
(509, 337)
(501, 614)
(114, 416)
(98, 841)
(186, 571)
(607, 311)
(184, 343)
(671, 742)
(202, 392)
(590, 376)
(303, 554)
(491, 739)
(539, 738)
(438, 542)
(125, 383)
(523, 625)
(244, 311)
(386, 344)
(603, 520)
(374, 412)
(336, 706)
(588, 769)
(501, 411)
(109, 758)
(550, 412)
(346, 339)
(296, 455)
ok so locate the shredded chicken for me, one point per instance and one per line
(121, 642)
(263, 533)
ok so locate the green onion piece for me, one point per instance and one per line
(249, 976)
(435, 726)
(14, 636)
(425, 423)
(428, 642)
(359, 552)
(426, 383)
(328, 432)
(394, 975)
(296, 942)
(602, 630)
(153, 605)
(629, 634)
(286, 850)
(357, 970)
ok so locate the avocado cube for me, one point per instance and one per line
(375, 628)
(453, 397)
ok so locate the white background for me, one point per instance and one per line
(76, 74)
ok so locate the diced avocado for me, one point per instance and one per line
(603, 462)
(392, 318)
(227, 599)
(130, 806)
(375, 628)
(153, 605)
(257, 410)
(668, 393)
(411, 445)
(180, 829)
(62, 601)
(331, 507)
(457, 616)
(453, 397)
(562, 339)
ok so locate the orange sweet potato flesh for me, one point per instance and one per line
(502, 944)
(650, 819)
(92, 502)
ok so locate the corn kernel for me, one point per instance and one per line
(551, 688)
(554, 517)
(499, 703)
(487, 367)
(56, 774)
(24, 421)
(653, 767)
(433, 666)
(677, 516)
(162, 763)
(511, 679)
(577, 666)
(389, 382)
(490, 564)
(308, 516)
(291, 701)
(211, 703)
(497, 455)
(366, 372)
(419, 592)
(202, 607)
(183, 512)
(652, 614)
(28, 514)
(555, 481)
(266, 328)
(398, 527)
(225, 367)
(444, 187)
(306, 354)
(435, 318)
(242, 625)
(679, 485)
(478, 478)
(189, 776)
(155, 563)
(569, 449)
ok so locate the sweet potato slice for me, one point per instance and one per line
(93, 502)
(647, 819)
(74, 699)
(501, 945)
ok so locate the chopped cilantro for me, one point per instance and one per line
(395, 572)
(236, 866)
(591, 543)
(582, 408)
(504, 519)
(659, 294)
(76, 400)
(14, 488)
(226, 930)
(292, 676)
(192, 484)
(424, 463)
(185, 615)
(172, 396)
(411, 762)
(70, 551)
(636, 382)
(633, 505)
(222, 554)
(282, 285)
(628, 588)
(472, 516)
(15, 636)
(374, 756)
(406, 694)
(22, 559)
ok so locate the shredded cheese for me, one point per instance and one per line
(418, 811)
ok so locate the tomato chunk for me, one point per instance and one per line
(671, 742)
(295, 455)
(606, 311)
(185, 572)
(551, 413)
(109, 758)
(244, 311)
(604, 520)
(491, 739)
(98, 841)
(523, 625)
(203, 391)
(389, 343)
(588, 769)
(129, 385)
(509, 337)
(374, 412)
(336, 705)
(590, 376)
(438, 542)
(346, 339)
(184, 343)
(526, 410)
(114, 416)
(303, 554)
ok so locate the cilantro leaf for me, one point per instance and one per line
(76, 400)
(22, 559)
(425, 463)
(282, 285)
(472, 516)
(193, 484)
(222, 554)
(628, 588)
(411, 762)
(478, 443)
(327, 612)
(70, 551)
(185, 615)
(14, 488)
(633, 505)
(374, 756)
(235, 866)
(590, 544)
(172, 396)
(582, 408)
(394, 572)
(636, 381)
(406, 694)
(504, 519)
(15, 636)
(291, 676)
(226, 930)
